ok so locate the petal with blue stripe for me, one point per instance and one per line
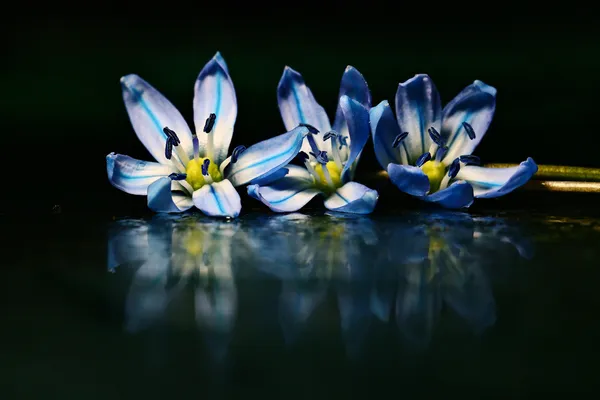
(270, 178)
(134, 176)
(214, 94)
(263, 158)
(353, 198)
(457, 195)
(298, 105)
(150, 112)
(164, 196)
(418, 108)
(475, 105)
(385, 129)
(495, 182)
(289, 193)
(409, 179)
(355, 86)
(357, 118)
(219, 199)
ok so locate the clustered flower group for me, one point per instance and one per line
(425, 149)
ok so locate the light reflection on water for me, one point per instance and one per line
(404, 271)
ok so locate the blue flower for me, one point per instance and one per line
(193, 169)
(427, 150)
(329, 155)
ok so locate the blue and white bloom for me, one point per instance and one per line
(193, 168)
(427, 150)
(329, 155)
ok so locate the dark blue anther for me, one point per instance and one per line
(469, 130)
(423, 159)
(470, 160)
(313, 145)
(169, 148)
(454, 168)
(441, 153)
(236, 153)
(177, 177)
(435, 136)
(343, 141)
(302, 157)
(205, 165)
(329, 135)
(172, 135)
(399, 139)
(321, 157)
(210, 122)
(311, 128)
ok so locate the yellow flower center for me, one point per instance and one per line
(334, 174)
(435, 171)
(194, 173)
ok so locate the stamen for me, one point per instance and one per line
(302, 157)
(321, 157)
(399, 139)
(311, 169)
(311, 128)
(435, 136)
(205, 165)
(169, 148)
(210, 123)
(327, 176)
(441, 153)
(313, 144)
(423, 159)
(236, 153)
(469, 130)
(329, 135)
(196, 147)
(177, 177)
(343, 141)
(454, 168)
(172, 135)
(470, 160)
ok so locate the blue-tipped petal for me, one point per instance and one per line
(288, 194)
(385, 129)
(353, 198)
(355, 86)
(214, 93)
(272, 177)
(265, 157)
(219, 199)
(219, 58)
(297, 103)
(134, 176)
(150, 112)
(409, 179)
(457, 195)
(357, 119)
(474, 105)
(495, 182)
(418, 108)
(162, 198)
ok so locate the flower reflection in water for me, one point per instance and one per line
(405, 270)
(178, 255)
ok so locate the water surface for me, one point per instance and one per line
(411, 304)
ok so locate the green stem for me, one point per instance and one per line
(560, 172)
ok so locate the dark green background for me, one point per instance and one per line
(63, 110)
